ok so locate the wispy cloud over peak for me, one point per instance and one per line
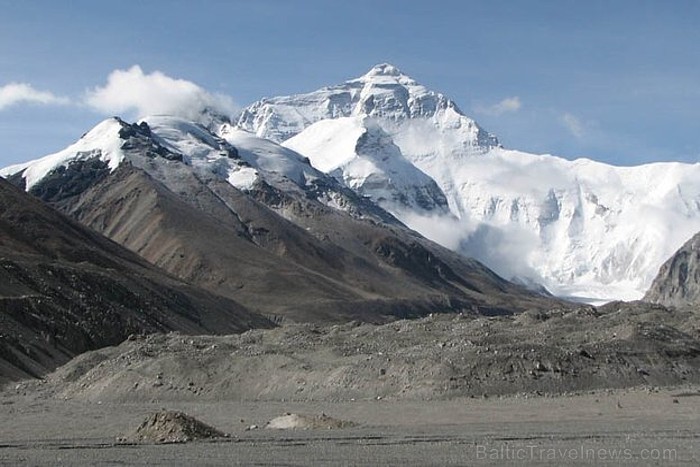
(20, 93)
(507, 105)
(574, 125)
(153, 93)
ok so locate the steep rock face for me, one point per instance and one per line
(580, 228)
(678, 280)
(66, 289)
(291, 242)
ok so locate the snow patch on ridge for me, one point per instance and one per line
(202, 149)
(243, 179)
(270, 157)
(102, 141)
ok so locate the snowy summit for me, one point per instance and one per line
(580, 228)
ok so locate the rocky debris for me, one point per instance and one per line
(71, 179)
(134, 129)
(438, 357)
(138, 137)
(171, 427)
(293, 421)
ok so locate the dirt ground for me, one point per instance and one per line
(629, 427)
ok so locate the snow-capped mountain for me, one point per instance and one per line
(254, 221)
(228, 153)
(581, 228)
(383, 106)
(385, 93)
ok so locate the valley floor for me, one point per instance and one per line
(642, 426)
(583, 386)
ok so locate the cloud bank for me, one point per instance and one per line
(16, 93)
(155, 93)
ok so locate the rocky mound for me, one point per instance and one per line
(293, 421)
(443, 356)
(171, 427)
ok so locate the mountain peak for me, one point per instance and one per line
(385, 72)
(384, 69)
(384, 92)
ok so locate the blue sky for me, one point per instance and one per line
(616, 81)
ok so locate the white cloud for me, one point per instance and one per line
(155, 93)
(506, 249)
(509, 104)
(16, 93)
(574, 125)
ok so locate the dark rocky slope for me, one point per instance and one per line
(66, 289)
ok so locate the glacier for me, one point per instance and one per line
(582, 229)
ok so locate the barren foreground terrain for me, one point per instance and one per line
(613, 385)
(632, 427)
